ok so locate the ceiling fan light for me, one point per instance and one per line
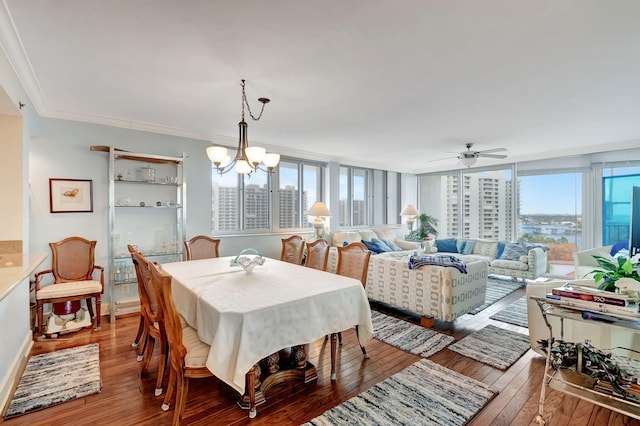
(468, 161)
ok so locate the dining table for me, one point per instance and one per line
(247, 316)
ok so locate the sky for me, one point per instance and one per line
(551, 194)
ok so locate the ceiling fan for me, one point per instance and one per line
(468, 158)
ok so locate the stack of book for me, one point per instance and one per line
(591, 299)
(630, 391)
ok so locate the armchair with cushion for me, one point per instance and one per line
(72, 266)
(585, 262)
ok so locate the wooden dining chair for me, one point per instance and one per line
(317, 254)
(72, 266)
(187, 354)
(292, 249)
(201, 247)
(153, 318)
(140, 341)
(353, 262)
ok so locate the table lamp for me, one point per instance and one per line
(411, 212)
(319, 210)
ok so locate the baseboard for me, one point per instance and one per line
(11, 379)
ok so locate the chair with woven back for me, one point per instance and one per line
(292, 249)
(317, 254)
(353, 262)
(187, 354)
(72, 266)
(153, 320)
(201, 247)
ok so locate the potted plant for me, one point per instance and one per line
(426, 227)
(612, 270)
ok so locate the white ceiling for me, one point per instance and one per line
(377, 83)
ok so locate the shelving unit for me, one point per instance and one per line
(147, 209)
(571, 382)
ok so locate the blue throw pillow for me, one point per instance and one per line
(371, 247)
(392, 244)
(620, 245)
(447, 245)
(460, 245)
(540, 246)
(468, 247)
(500, 249)
(513, 251)
(382, 246)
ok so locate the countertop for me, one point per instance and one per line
(14, 268)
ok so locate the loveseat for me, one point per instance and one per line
(437, 291)
(516, 260)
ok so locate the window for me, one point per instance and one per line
(550, 213)
(246, 202)
(354, 196)
(293, 203)
(616, 202)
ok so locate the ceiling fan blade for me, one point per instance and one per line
(492, 150)
(482, 154)
(440, 159)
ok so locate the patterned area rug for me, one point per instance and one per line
(409, 337)
(492, 345)
(496, 290)
(425, 393)
(57, 377)
(515, 313)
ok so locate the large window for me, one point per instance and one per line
(550, 213)
(240, 202)
(469, 204)
(247, 203)
(294, 203)
(616, 202)
(354, 196)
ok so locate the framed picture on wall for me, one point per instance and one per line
(70, 195)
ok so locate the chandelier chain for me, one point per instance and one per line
(245, 102)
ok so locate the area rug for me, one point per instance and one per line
(515, 313)
(496, 290)
(57, 377)
(406, 336)
(492, 345)
(424, 393)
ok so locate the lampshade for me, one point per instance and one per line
(319, 209)
(468, 161)
(409, 210)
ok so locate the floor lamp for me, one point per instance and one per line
(319, 210)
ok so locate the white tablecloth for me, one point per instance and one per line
(246, 316)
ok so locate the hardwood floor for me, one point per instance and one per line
(128, 399)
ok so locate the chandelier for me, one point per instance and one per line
(248, 158)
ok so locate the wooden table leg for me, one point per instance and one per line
(334, 344)
(251, 388)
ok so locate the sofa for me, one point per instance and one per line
(437, 291)
(516, 260)
(600, 334)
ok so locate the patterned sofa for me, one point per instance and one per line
(516, 260)
(441, 292)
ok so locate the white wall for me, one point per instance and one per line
(11, 209)
(61, 149)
